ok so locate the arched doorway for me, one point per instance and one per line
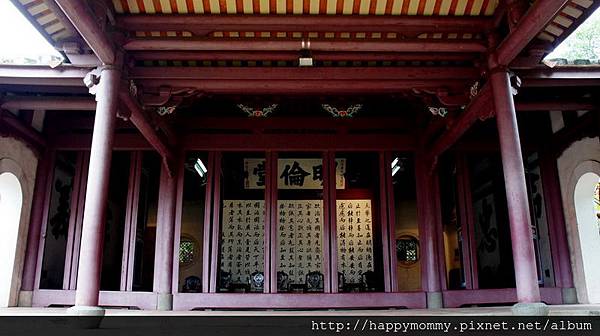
(588, 227)
(11, 201)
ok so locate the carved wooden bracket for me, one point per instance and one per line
(164, 101)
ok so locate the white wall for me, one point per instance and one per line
(11, 202)
(580, 158)
(18, 160)
(589, 235)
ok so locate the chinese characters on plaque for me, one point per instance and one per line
(300, 237)
(355, 238)
(292, 173)
(242, 241)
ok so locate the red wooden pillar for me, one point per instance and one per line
(556, 222)
(163, 261)
(426, 210)
(35, 228)
(528, 291)
(92, 235)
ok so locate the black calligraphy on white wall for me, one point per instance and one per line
(300, 238)
(242, 238)
(355, 238)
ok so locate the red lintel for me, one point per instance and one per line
(146, 44)
(201, 24)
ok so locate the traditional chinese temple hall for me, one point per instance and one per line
(301, 155)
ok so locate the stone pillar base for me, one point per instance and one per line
(434, 300)
(87, 317)
(164, 301)
(25, 298)
(569, 295)
(530, 309)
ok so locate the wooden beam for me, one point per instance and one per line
(87, 24)
(30, 87)
(534, 20)
(42, 75)
(310, 80)
(304, 74)
(48, 103)
(560, 76)
(481, 107)
(293, 56)
(303, 87)
(561, 72)
(10, 124)
(146, 44)
(140, 120)
(200, 25)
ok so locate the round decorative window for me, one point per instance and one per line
(407, 250)
(188, 250)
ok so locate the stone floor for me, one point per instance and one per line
(573, 310)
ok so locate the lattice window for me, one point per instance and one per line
(186, 251)
(407, 250)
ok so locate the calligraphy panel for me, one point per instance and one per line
(300, 238)
(242, 238)
(354, 238)
(292, 173)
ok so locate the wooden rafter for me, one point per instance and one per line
(87, 25)
(534, 20)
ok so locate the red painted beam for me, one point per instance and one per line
(10, 124)
(313, 80)
(87, 24)
(534, 20)
(42, 75)
(303, 87)
(293, 56)
(562, 72)
(88, 104)
(142, 44)
(201, 24)
(304, 73)
(140, 120)
(48, 103)
(480, 107)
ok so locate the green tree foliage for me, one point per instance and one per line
(584, 43)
